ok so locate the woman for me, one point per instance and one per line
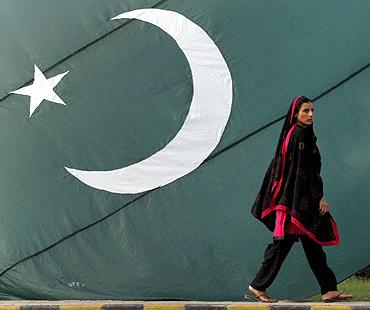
(291, 204)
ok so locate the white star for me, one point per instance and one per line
(42, 88)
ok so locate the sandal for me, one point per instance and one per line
(339, 297)
(262, 297)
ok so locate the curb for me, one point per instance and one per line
(115, 305)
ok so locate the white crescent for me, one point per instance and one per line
(203, 127)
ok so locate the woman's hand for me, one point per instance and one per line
(324, 207)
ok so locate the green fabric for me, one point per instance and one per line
(194, 238)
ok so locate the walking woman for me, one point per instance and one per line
(291, 204)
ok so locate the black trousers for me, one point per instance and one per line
(275, 255)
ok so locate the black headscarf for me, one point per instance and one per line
(292, 183)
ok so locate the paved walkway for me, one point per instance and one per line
(176, 305)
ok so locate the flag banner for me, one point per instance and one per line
(135, 136)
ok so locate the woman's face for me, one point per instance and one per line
(305, 114)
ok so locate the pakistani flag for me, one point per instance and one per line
(135, 136)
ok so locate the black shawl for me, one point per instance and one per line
(293, 185)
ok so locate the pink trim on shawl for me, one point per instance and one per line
(293, 108)
(280, 223)
(297, 223)
(283, 151)
(274, 208)
(280, 230)
(336, 241)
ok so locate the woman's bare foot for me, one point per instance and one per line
(260, 295)
(335, 296)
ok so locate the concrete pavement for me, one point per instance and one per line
(176, 305)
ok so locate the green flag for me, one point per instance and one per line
(135, 135)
